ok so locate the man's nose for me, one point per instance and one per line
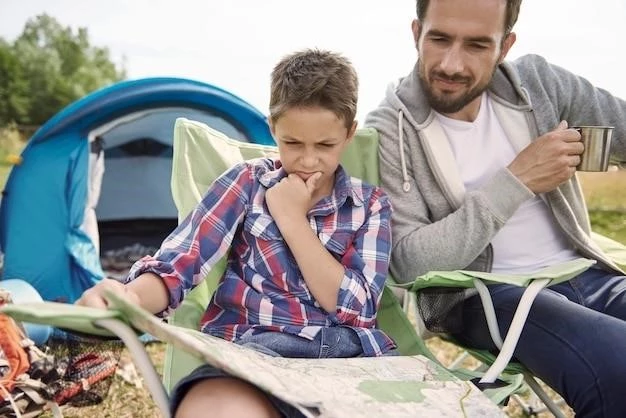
(452, 62)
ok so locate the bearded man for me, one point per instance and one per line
(479, 160)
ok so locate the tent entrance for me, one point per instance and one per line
(130, 175)
(124, 242)
(147, 232)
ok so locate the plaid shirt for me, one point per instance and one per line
(262, 288)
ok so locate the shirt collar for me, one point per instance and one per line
(342, 190)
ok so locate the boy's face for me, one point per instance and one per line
(310, 140)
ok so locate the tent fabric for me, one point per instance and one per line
(48, 231)
(139, 147)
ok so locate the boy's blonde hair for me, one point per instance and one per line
(314, 78)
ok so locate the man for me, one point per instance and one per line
(479, 162)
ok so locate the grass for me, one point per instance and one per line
(604, 194)
(124, 399)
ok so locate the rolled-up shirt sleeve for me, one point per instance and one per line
(203, 238)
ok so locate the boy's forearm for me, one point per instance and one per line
(151, 292)
(321, 272)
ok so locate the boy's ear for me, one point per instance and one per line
(271, 124)
(351, 132)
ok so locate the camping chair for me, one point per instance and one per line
(615, 250)
(200, 155)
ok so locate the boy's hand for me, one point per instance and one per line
(292, 197)
(94, 296)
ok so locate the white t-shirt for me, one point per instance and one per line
(530, 239)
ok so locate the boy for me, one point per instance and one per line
(309, 246)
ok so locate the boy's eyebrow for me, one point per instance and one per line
(289, 138)
(325, 140)
(480, 39)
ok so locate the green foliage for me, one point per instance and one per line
(47, 67)
(610, 223)
(14, 101)
(11, 145)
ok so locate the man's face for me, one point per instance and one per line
(311, 140)
(460, 43)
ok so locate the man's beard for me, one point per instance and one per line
(447, 105)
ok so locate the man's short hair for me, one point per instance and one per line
(512, 12)
(315, 78)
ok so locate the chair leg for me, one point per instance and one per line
(541, 394)
(141, 359)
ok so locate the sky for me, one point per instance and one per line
(234, 44)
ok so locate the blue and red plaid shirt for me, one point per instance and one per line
(262, 288)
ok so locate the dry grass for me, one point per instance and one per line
(606, 200)
(124, 400)
(604, 191)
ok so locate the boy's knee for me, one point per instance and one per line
(225, 397)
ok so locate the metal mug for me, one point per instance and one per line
(597, 142)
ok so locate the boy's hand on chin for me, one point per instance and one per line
(292, 197)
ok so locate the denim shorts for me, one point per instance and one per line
(332, 342)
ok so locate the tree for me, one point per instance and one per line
(13, 87)
(47, 67)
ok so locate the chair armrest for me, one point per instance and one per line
(61, 315)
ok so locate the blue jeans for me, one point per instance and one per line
(332, 342)
(574, 338)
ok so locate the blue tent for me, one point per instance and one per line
(104, 160)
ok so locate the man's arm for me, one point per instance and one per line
(440, 237)
(559, 94)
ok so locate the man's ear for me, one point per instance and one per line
(416, 28)
(506, 46)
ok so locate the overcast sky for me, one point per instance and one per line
(235, 43)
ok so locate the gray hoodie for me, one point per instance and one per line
(437, 225)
